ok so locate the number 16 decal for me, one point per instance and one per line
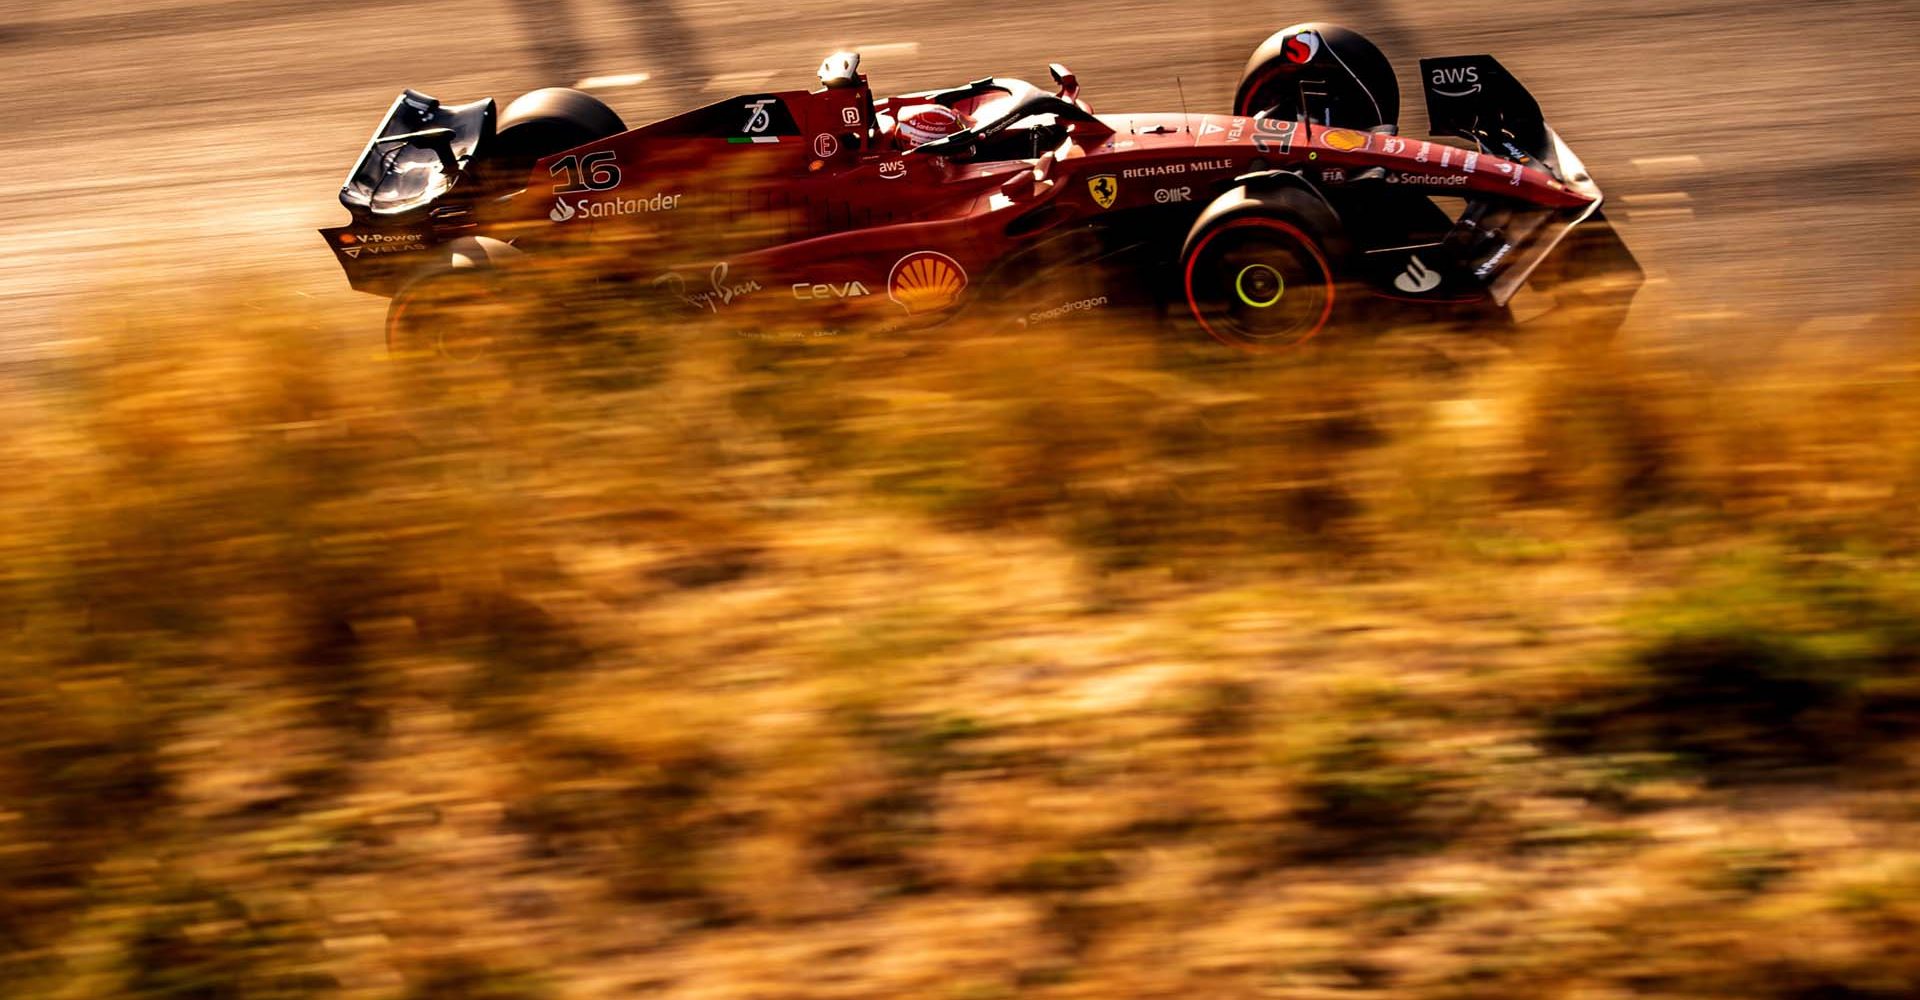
(592, 172)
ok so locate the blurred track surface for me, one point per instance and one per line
(1752, 152)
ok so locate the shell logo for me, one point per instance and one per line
(1345, 139)
(925, 281)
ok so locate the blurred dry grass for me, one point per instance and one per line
(1079, 663)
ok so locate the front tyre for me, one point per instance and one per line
(455, 308)
(1260, 279)
(1321, 72)
(448, 316)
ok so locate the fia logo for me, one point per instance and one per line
(758, 118)
(1417, 278)
(1104, 189)
(1457, 77)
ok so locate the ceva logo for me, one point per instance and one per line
(561, 211)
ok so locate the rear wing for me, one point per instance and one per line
(395, 192)
(419, 151)
(1474, 97)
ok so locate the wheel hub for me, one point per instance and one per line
(1259, 285)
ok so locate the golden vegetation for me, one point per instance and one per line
(1078, 663)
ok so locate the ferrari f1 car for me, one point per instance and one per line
(1262, 225)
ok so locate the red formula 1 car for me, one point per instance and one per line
(838, 210)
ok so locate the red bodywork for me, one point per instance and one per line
(823, 213)
(802, 203)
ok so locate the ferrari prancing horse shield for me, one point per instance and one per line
(1104, 188)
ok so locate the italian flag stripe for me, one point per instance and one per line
(753, 138)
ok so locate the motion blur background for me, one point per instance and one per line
(1075, 664)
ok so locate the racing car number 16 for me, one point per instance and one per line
(592, 172)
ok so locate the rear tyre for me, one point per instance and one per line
(541, 123)
(1261, 276)
(1323, 72)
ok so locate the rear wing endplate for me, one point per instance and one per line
(1474, 97)
(420, 149)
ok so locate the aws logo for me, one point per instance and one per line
(925, 281)
(1465, 81)
(1302, 47)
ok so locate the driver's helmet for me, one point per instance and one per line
(922, 123)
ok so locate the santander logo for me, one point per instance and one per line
(609, 207)
(1417, 278)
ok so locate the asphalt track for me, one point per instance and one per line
(1759, 158)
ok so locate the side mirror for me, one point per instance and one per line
(1062, 76)
(1024, 183)
(1043, 168)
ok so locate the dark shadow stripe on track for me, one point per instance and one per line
(214, 15)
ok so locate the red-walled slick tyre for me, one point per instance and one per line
(1261, 277)
(447, 316)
